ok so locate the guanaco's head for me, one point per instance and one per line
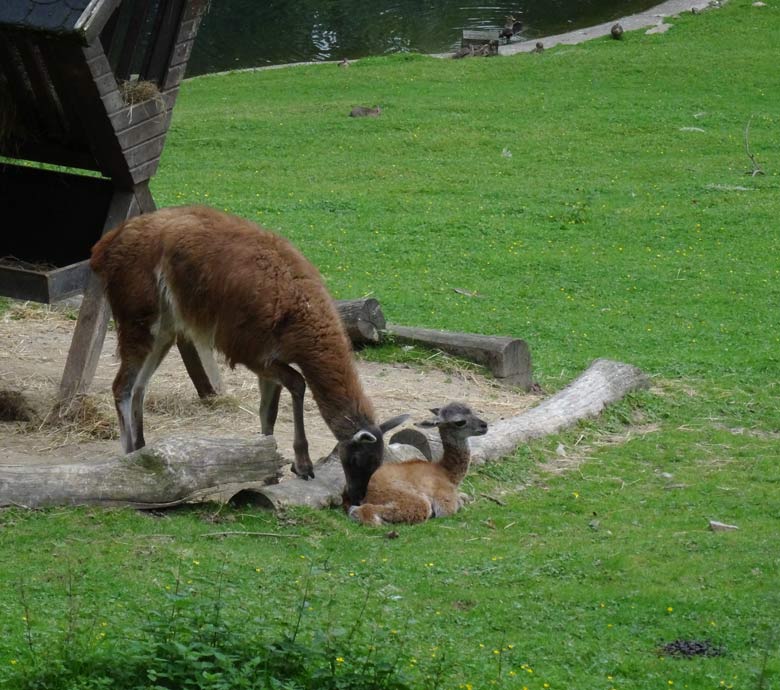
(360, 457)
(456, 422)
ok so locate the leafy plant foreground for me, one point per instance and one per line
(597, 201)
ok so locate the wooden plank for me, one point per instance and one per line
(194, 9)
(93, 317)
(91, 22)
(93, 50)
(106, 84)
(98, 65)
(113, 101)
(145, 131)
(181, 52)
(174, 76)
(145, 171)
(478, 37)
(508, 359)
(188, 30)
(145, 152)
(129, 116)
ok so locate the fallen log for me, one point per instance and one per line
(603, 383)
(185, 470)
(167, 473)
(363, 319)
(324, 491)
(508, 359)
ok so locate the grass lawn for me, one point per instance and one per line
(596, 199)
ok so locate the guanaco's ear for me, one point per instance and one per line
(364, 436)
(394, 422)
(435, 411)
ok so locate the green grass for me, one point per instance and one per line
(609, 232)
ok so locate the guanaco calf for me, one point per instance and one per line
(250, 294)
(416, 490)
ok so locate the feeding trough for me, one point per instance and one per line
(87, 86)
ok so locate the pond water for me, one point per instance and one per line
(251, 33)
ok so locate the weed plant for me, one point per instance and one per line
(598, 201)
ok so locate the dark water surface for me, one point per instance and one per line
(252, 33)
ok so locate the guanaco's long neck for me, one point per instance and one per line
(336, 388)
(456, 458)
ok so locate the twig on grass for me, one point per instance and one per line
(756, 167)
(494, 499)
(242, 533)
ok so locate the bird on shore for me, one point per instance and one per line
(512, 26)
(539, 48)
(616, 31)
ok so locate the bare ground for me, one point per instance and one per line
(34, 343)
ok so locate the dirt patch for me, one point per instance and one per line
(34, 344)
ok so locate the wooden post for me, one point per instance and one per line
(93, 317)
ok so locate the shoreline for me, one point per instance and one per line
(652, 18)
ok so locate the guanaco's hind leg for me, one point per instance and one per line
(141, 353)
(269, 404)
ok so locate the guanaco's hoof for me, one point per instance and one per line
(303, 474)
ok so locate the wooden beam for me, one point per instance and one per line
(92, 323)
(508, 359)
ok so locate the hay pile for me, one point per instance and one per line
(139, 91)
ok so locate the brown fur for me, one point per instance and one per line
(416, 490)
(250, 294)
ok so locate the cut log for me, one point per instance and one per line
(603, 383)
(363, 319)
(508, 359)
(169, 472)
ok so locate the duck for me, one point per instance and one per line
(512, 26)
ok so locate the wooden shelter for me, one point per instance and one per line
(88, 87)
